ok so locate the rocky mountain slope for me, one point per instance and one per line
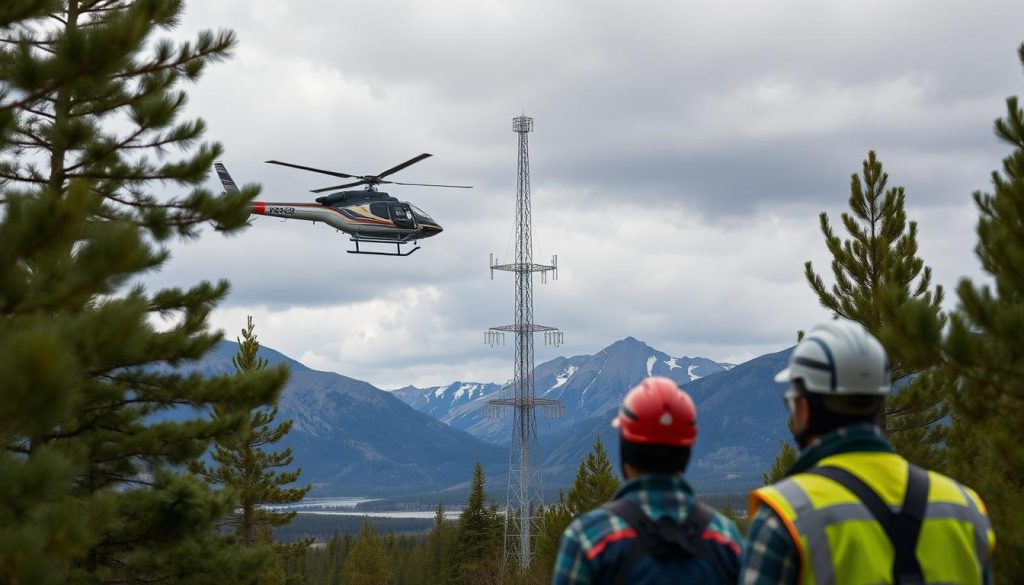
(351, 438)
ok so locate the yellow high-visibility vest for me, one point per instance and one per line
(840, 542)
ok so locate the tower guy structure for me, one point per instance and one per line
(525, 491)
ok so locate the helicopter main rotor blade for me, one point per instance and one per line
(315, 170)
(411, 161)
(337, 187)
(432, 185)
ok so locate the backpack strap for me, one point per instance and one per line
(903, 528)
(650, 536)
(636, 519)
(698, 519)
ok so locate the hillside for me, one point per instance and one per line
(352, 438)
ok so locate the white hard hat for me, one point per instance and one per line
(839, 357)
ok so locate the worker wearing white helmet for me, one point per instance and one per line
(851, 510)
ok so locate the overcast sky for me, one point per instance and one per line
(682, 152)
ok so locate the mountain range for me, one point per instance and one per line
(586, 385)
(351, 438)
(741, 418)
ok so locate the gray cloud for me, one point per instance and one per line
(682, 153)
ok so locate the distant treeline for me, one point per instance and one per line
(321, 527)
(417, 502)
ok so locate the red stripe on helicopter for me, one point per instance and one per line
(258, 207)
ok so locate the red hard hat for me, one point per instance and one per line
(657, 412)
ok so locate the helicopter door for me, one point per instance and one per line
(401, 215)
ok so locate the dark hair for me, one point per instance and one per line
(654, 458)
(830, 412)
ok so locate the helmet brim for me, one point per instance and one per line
(783, 376)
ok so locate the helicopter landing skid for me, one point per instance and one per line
(397, 242)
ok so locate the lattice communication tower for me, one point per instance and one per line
(525, 490)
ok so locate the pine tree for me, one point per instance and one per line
(245, 465)
(441, 549)
(880, 257)
(43, 524)
(477, 545)
(99, 447)
(367, 563)
(595, 483)
(783, 461)
(979, 357)
(65, 135)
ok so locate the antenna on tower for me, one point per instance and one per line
(525, 491)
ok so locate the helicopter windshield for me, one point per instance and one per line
(419, 212)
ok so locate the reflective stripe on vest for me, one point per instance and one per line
(840, 542)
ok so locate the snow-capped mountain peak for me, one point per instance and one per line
(562, 378)
(586, 384)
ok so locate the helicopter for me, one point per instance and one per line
(369, 216)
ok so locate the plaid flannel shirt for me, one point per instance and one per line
(770, 557)
(596, 543)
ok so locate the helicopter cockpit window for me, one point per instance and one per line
(421, 213)
(379, 209)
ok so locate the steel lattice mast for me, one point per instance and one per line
(525, 491)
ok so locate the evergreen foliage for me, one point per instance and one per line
(44, 521)
(368, 563)
(247, 467)
(556, 519)
(880, 257)
(70, 132)
(783, 461)
(479, 535)
(979, 358)
(467, 551)
(441, 548)
(595, 483)
(91, 472)
(43, 524)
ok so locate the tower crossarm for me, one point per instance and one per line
(524, 267)
(553, 409)
(524, 328)
(527, 267)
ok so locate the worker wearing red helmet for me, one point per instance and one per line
(654, 531)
